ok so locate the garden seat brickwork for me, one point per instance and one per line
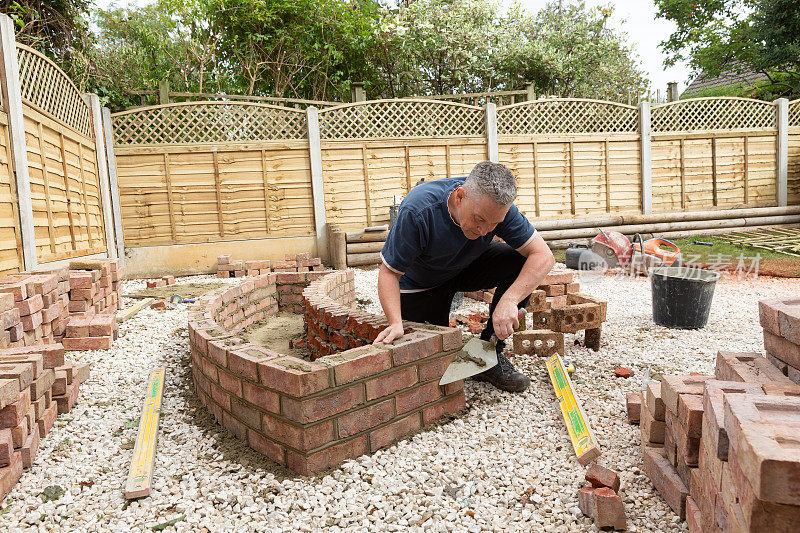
(355, 397)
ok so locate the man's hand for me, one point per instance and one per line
(390, 333)
(505, 318)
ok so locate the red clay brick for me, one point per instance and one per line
(694, 518)
(716, 438)
(781, 348)
(234, 426)
(655, 404)
(246, 414)
(389, 434)
(633, 406)
(435, 368)
(30, 448)
(42, 384)
(359, 363)
(67, 401)
(30, 305)
(666, 480)
(450, 406)
(265, 399)
(366, 418)
(653, 431)
(9, 475)
(690, 414)
(412, 399)
(313, 409)
(6, 447)
(48, 419)
(327, 458)
(230, 383)
(672, 386)
(391, 383)
(302, 439)
(266, 447)
(415, 346)
(102, 326)
(600, 476)
(760, 515)
(87, 343)
(293, 376)
(764, 432)
(749, 367)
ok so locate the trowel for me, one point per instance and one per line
(477, 356)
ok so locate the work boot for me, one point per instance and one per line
(504, 376)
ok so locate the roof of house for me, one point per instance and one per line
(737, 74)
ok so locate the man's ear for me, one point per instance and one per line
(461, 194)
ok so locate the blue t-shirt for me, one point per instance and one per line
(429, 248)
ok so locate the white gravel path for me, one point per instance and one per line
(506, 464)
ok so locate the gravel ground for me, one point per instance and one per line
(506, 464)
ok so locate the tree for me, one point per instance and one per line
(720, 35)
(451, 46)
(57, 28)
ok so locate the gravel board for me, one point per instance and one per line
(506, 464)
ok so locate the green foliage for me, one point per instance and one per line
(313, 49)
(718, 35)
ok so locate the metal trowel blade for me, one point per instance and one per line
(477, 356)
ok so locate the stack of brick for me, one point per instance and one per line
(163, 282)
(35, 386)
(227, 267)
(714, 446)
(94, 287)
(555, 288)
(601, 501)
(41, 308)
(94, 332)
(780, 319)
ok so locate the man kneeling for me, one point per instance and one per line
(441, 243)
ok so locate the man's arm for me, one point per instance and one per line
(389, 294)
(538, 263)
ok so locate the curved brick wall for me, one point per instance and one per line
(354, 398)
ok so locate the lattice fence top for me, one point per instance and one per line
(794, 113)
(719, 113)
(208, 122)
(47, 87)
(380, 119)
(567, 115)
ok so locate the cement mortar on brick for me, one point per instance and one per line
(225, 382)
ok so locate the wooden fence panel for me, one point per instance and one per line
(794, 166)
(361, 177)
(575, 175)
(62, 162)
(10, 243)
(68, 216)
(710, 171)
(203, 193)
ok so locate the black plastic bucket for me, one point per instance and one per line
(682, 296)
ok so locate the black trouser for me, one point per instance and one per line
(498, 267)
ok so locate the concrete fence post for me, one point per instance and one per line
(116, 208)
(531, 88)
(492, 150)
(163, 92)
(317, 190)
(102, 173)
(782, 155)
(646, 158)
(12, 101)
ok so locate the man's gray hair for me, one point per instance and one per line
(494, 180)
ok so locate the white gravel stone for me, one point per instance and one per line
(503, 448)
